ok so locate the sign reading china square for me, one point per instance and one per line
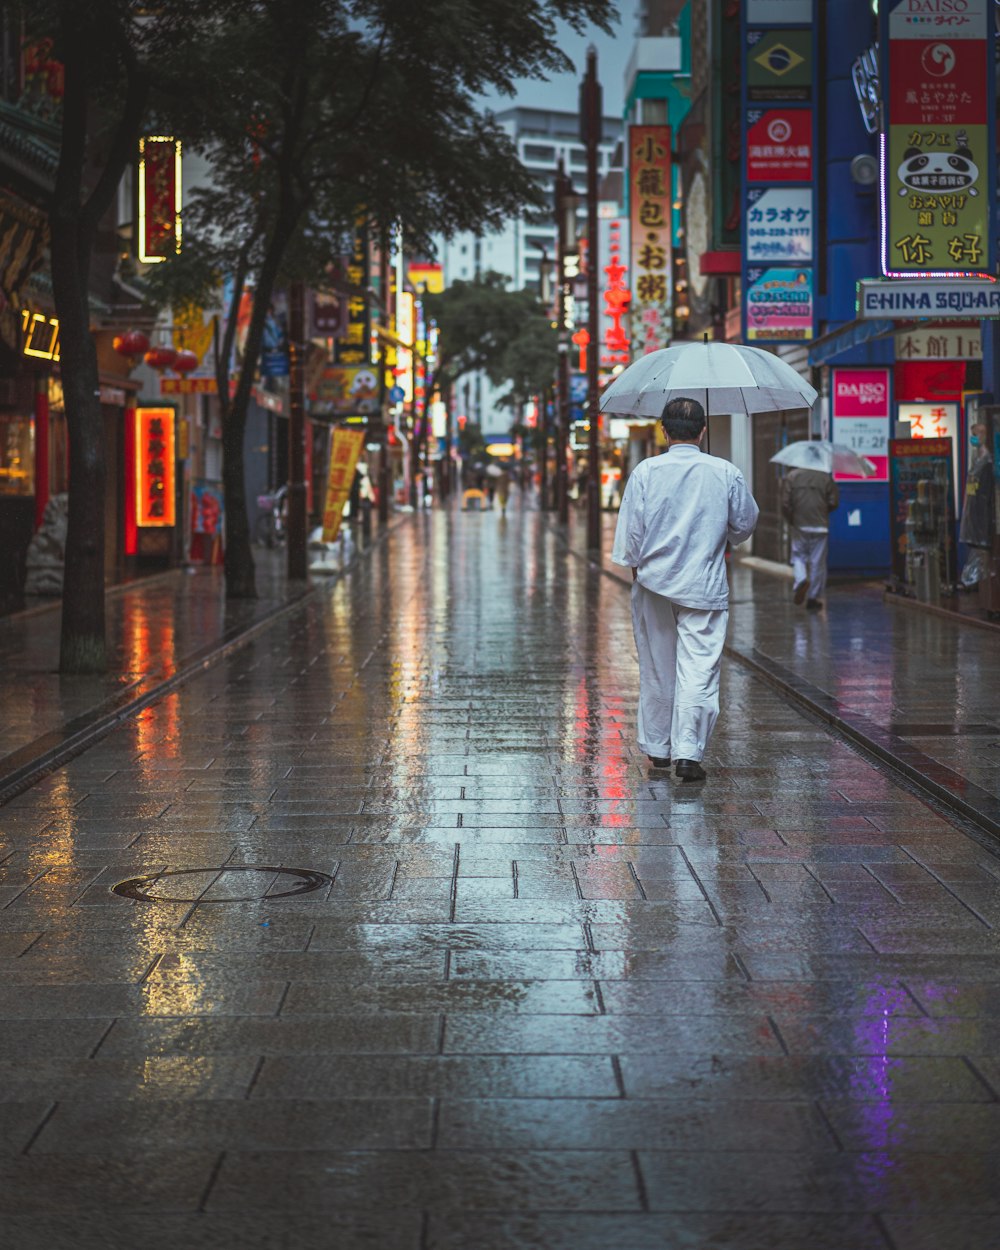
(941, 298)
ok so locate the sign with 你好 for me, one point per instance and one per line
(154, 466)
(936, 179)
(779, 305)
(651, 209)
(860, 414)
(779, 224)
(779, 145)
(344, 452)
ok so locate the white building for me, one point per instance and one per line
(542, 137)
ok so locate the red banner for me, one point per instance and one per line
(159, 198)
(154, 466)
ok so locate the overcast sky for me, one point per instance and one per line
(561, 92)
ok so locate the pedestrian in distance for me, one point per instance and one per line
(976, 528)
(808, 496)
(678, 512)
(503, 490)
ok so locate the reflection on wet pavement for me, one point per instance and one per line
(543, 999)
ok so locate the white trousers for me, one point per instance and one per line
(809, 560)
(680, 653)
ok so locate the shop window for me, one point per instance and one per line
(17, 455)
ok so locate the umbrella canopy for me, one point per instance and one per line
(723, 377)
(824, 457)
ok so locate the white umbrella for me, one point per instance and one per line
(723, 377)
(825, 457)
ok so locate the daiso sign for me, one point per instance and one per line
(860, 418)
(861, 393)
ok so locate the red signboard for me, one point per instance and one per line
(154, 466)
(159, 198)
(860, 413)
(779, 145)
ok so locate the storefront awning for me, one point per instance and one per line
(853, 334)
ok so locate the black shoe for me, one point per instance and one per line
(813, 605)
(659, 761)
(690, 770)
(800, 591)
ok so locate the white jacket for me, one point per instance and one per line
(678, 511)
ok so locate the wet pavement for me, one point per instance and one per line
(535, 995)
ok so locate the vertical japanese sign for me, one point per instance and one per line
(617, 298)
(778, 224)
(344, 452)
(650, 208)
(159, 198)
(353, 347)
(860, 414)
(154, 466)
(937, 151)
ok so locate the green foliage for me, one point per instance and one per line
(484, 326)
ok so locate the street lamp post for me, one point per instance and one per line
(590, 99)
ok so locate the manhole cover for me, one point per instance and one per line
(236, 883)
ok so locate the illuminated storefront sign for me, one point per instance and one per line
(344, 452)
(860, 412)
(154, 466)
(159, 198)
(937, 147)
(779, 224)
(40, 335)
(650, 209)
(353, 347)
(404, 356)
(940, 298)
(779, 304)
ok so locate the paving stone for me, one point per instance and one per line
(492, 1181)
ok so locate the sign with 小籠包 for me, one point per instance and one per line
(650, 204)
(345, 448)
(935, 193)
(779, 224)
(779, 145)
(779, 305)
(155, 453)
(860, 415)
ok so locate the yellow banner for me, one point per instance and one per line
(344, 453)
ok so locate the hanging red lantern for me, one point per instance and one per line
(131, 343)
(160, 358)
(186, 361)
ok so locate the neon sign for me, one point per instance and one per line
(41, 335)
(154, 466)
(159, 198)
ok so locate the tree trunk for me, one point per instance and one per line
(82, 646)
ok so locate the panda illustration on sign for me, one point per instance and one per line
(938, 173)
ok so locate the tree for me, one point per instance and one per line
(108, 49)
(315, 112)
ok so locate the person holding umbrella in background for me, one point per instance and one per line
(677, 514)
(808, 496)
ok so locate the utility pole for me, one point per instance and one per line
(562, 407)
(590, 110)
(298, 563)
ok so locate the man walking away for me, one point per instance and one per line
(807, 499)
(677, 513)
